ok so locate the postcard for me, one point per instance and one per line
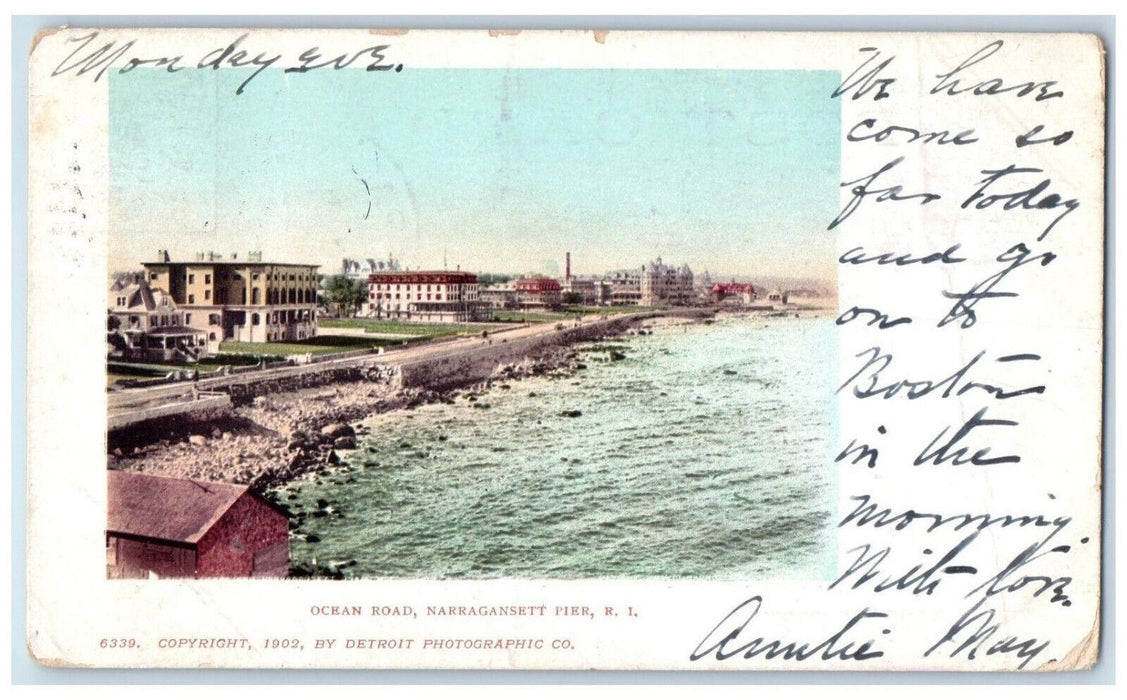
(565, 350)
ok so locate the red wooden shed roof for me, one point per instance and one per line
(158, 507)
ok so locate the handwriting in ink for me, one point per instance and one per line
(728, 639)
(972, 643)
(964, 307)
(951, 81)
(876, 318)
(858, 256)
(1006, 580)
(311, 60)
(868, 381)
(951, 451)
(90, 56)
(868, 81)
(863, 452)
(940, 138)
(1027, 139)
(1022, 198)
(866, 568)
(861, 190)
(236, 57)
(101, 58)
(870, 513)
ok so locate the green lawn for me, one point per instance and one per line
(529, 316)
(421, 330)
(610, 310)
(322, 345)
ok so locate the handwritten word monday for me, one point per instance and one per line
(91, 55)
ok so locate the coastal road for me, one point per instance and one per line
(130, 405)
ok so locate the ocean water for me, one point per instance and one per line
(703, 453)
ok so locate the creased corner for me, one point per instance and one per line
(1083, 656)
(40, 36)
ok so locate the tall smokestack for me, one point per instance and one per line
(567, 266)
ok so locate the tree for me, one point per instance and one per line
(488, 279)
(345, 295)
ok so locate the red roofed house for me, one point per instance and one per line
(538, 292)
(183, 528)
(733, 293)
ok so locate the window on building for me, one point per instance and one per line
(191, 279)
(191, 298)
(214, 320)
(207, 294)
(207, 279)
(255, 319)
(187, 319)
(153, 276)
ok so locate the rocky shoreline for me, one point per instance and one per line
(280, 437)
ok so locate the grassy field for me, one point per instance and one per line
(323, 345)
(530, 316)
(610, 310)
(421, 330)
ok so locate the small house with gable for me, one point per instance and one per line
(160, 527)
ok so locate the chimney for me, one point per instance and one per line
(567, 266)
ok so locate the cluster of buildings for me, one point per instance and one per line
(443, 296)
(651, 284)
(182, 311)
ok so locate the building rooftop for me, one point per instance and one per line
(443, 275)
(157, 507)
(230, 263)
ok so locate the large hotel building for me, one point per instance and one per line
(426, 296)
(242, 300)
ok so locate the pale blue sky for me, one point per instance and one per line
(504, 170)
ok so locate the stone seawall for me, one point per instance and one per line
(244, 391)
(475, 364)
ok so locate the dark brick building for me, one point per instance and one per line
(185, 528)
